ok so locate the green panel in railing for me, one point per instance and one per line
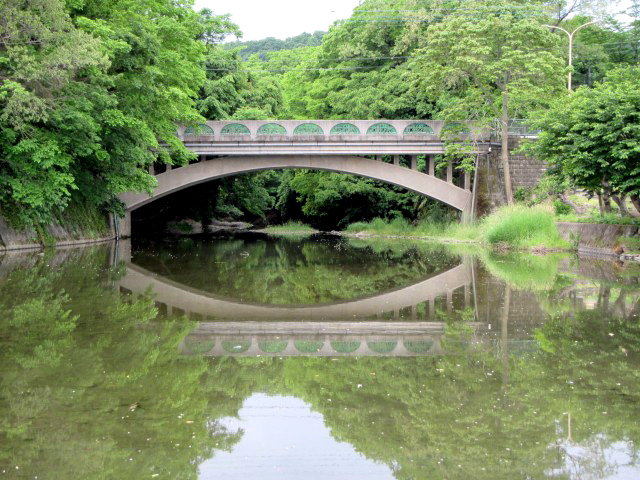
(308, 129)
(235, 129)
(272, 129)
(418, 129)
(344, 129)
(381, 129)
(200, 129)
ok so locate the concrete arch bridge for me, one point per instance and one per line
(347, 146)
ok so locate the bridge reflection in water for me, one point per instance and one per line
(374, 325)
(285, 339)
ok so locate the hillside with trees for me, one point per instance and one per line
(270, 44)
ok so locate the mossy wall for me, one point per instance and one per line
(76, 225)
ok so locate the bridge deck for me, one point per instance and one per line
(324, 137)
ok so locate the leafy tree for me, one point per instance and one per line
(91, 95)
(488, 63)
(86, 369)
(591, 140)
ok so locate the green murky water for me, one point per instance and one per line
(254, 357)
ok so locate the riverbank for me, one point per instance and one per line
(516, 228)
(289, 228)
(508, 228)
(79, 225)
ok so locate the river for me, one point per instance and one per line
(317, 357)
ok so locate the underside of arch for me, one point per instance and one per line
(181, 178)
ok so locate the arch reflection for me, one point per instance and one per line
(385, 324)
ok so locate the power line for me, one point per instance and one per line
(294, 69)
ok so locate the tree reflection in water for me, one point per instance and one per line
(93, 385)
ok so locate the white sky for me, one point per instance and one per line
(280, 18)
(259, 19)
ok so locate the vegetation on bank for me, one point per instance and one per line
(607, 219)
(513, 227)
(292, 226)
(591, 141)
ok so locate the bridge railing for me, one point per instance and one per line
(328, 130)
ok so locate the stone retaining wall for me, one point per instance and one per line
(526, 172)
(598, 239)
(11, 239)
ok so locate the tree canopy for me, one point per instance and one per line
(591, 140)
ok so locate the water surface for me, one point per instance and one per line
(316, 357)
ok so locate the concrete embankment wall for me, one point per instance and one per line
(526, 173)
(58, 235)
(598, 239)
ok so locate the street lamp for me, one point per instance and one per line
(570, 46)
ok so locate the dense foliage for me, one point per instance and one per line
(592, 139)
(90, 91)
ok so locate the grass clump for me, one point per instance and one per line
(380, 226)
(515, 227)
(520, 226)
(83, 220)
(292, 226)
(523, 270)
(607, 218)
(400, 226)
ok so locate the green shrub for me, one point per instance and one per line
(184, 227)
(561, 208)
(522, 194)
(523, 227)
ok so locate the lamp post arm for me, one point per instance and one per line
(558, 28)
(570, 46)
(584, 25)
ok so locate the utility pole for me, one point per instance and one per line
(570, 47)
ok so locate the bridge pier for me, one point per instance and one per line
(124, 225)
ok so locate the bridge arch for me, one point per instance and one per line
(177, 296)
(178, 179)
